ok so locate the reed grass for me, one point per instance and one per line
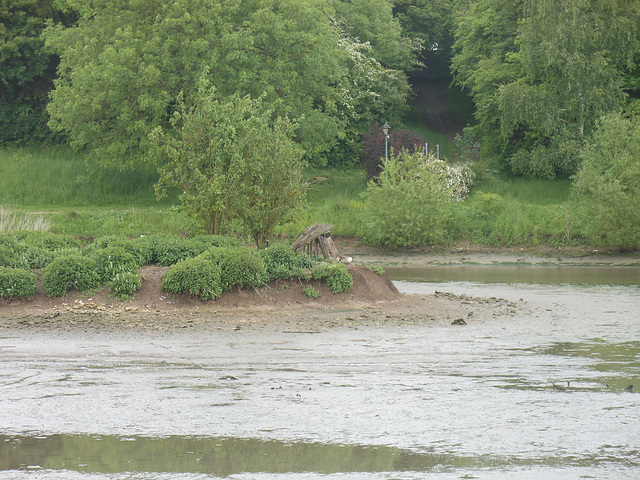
(11, 221)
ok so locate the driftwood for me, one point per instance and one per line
(316, 240)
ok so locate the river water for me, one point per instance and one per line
(548, 393)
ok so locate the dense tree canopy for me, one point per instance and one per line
(541, 74)
(124, 63)
(27, 70)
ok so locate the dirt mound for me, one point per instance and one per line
(369, 289)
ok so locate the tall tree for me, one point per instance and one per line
(543, 82)
(27, 70)
(429, 21)
(124, 63)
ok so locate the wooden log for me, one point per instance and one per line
(331, 247)
(311, 234)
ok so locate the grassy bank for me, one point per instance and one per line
(56, 186)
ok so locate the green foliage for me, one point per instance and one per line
(34, 250)
(170, 249)
(110, 261)
(541, 74)
(336, 275)
(193, 276)
(141, 252)
(124, 285)
(467, 148)
(607, 187)
(279, 259)
(311, 292)
(427, 20)
(239, 266)
(217, 241)
(231, 160)
(72, 271)
(27, 69)
(375, 269)
(410, 205)
(17, 283)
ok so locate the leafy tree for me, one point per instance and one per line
(542, 72)
(607, 186)
(373, 22)
(429, 21)
(27, 69)
(232, 159)
(124, 63)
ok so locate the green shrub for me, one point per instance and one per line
(311, 292)
(37, 257)
(170, 249)
(73, 271)
(48, 241)
(239, 266)
(7, 256)
(336, 275)
(280, 261)
(607, 186)
(193, 276)
(111, 261)
(375, 269)
(209, 241)
(17, 283)
(409, 206)
(301, 273)
(124, 285)
(142, 252)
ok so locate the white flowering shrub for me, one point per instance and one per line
(458, 178)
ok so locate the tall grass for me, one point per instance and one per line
(57, 188)
(13, 221)
(45, 177)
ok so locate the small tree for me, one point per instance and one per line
(410, 203)
(232, 160)
(373, 147)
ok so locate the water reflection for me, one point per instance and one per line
(230, 456)
(217, 456)
(531, 274)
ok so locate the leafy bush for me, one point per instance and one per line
(311, 292)
(409, 206)
(336, 275)
(142, 252)
(17, 283)
(170, 249)
(37, 257)
(607, 186)
(73, 271)
(124, 285)
(279, 259)
(239, 266)
(48, 241)
(111, 261)
(7, 256)
(209, 241)
(373, 147)
(194, 276)
(375, 269)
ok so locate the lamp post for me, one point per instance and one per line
(385, 130)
